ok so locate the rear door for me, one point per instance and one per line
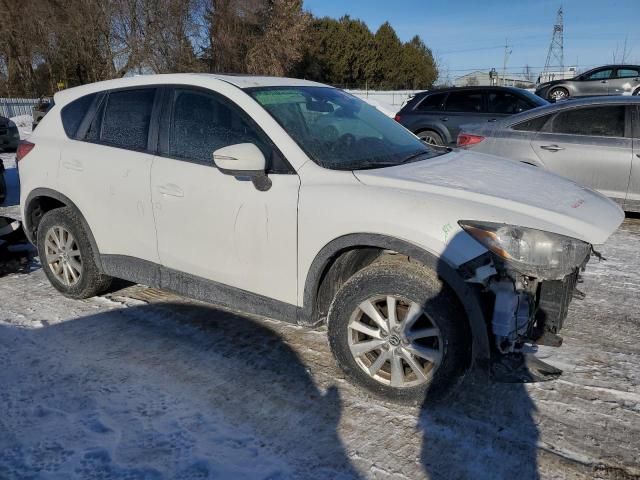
(633, 196)
(462, 107)
(625, 81)
(105, 170)
(590, 145)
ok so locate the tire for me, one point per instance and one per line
(430, 137)
(408, 283)
(558, 93)
(90, 281)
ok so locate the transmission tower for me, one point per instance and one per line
(555, 56)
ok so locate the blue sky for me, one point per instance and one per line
(465, 34)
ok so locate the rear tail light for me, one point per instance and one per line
(397, 118)
(466, 139)
(24, 148)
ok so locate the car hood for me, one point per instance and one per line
(494, 189)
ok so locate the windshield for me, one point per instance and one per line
(339, 131)
(537, 101)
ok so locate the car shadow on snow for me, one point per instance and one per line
(166, 390)
(483, 429)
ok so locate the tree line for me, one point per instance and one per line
(46, 45)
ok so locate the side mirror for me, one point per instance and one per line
(243, 161)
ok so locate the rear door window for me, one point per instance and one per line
(127, 117)
(73, 114)
(432, 102)
(470, 101)
(606, 121)
(628, 73)
(507, 103)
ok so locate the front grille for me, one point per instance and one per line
(553, 301)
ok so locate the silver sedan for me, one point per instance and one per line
(594, 141)
(607, 80)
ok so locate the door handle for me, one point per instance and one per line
(73, 165)
(492, 120)
(444, 119)
(603, 81)
(171, 189)
(552, 148)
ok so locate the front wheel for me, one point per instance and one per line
(558, 94)
(398, 331)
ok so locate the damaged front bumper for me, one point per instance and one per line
(520, 310)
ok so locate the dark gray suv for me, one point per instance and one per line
(606, 80)
(436, 115)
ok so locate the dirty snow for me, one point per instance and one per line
(140, 384)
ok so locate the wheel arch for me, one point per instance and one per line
(327, 267)
(42, 200)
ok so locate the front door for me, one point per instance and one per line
(589, 145)
(595, 83)
(216, 226)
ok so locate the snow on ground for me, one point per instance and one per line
(140, 384)
(24, 124)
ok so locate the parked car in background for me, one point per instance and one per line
(435, 116)
(3, 183)
(606, 80)
(593, 141)
(9, 135)
(40, 110)
(294, 200)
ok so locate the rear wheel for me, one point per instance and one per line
(558, 94)
(430, 137)
(398, 331)
(67, 257)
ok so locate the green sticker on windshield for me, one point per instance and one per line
(279, 96)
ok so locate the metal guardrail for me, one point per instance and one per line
(12, 107)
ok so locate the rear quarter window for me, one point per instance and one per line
(73, 114)
(532, 125)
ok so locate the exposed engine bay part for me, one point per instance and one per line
(511, 314)
(15, 250)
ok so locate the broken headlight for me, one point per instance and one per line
(529, 251)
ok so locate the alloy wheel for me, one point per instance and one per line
(63, 255)
(394, 341)
(429, 139)
(558, 94)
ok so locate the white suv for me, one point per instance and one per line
(297, 201)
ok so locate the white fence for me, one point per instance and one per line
(396, 98)
(12, 107)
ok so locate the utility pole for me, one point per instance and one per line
(507, 52)
(555, 55)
